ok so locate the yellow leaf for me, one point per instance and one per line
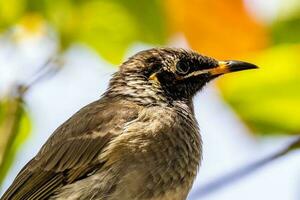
(268, 99)
(30, 25)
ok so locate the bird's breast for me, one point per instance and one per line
(166, 154)
(156, 156)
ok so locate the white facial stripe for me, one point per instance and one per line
(197, 73)
(221, 69)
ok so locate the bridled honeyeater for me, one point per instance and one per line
(140, 140)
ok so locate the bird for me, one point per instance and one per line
(139, 141)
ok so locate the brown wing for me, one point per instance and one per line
(71, 153)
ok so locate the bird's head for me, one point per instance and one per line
(169, 73)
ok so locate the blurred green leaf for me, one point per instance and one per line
(14, 130)
(10, 12)
(112, 26)
(108, 26)
(149, 17)
(286, 31)
(268, 99)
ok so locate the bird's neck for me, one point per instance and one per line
(139, 90)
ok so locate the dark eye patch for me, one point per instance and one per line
(188, 64)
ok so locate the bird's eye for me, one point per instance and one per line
(182, 68)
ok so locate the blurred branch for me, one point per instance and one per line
(12, 122)
(247, 170)
(48, 69)
(12, 127)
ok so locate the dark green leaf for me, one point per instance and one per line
(286, 31)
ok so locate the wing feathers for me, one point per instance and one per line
(72, 152)
(51, 172)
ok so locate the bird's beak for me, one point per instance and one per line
(230, 66)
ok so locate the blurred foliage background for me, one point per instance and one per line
(266, 100)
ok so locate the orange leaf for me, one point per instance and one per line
(222, 29)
